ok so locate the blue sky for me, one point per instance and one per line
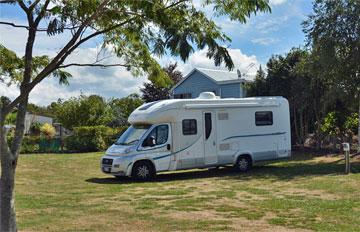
(264, 35)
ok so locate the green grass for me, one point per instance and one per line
(67, 192)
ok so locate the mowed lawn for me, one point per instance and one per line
(67, 192)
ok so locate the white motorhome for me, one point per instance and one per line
(205, 132)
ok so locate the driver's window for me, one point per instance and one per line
(158, 136)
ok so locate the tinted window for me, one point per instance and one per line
(208, 125)
(189, 127)
(263, 118)
(160, 134)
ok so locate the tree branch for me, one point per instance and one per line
(23, 6)
(94, 65)
(32, 6)
(7, 1)
(14, 25)
(58, 59)
(38, 29)
(42, 12)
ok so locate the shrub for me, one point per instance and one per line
(48, 131)
(352, 122)
(30, 144)
(35, 128)
(91, 138)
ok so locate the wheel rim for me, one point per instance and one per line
(243, 164)
(143, 171)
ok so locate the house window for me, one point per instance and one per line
(189, 127)
(182, 95)
(263, 118)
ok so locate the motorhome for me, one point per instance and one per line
(204, 132)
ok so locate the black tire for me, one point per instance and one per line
(243, 163)
(143, 170)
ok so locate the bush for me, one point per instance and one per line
(92, 138)
(352, 123)
(30, 144)
(48, 131)
(35, 128)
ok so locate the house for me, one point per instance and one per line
(33, 118)
(223, 83)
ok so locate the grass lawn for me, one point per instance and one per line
(67, 192)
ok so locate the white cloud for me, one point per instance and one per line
(110, 82)
(271, 24)
(246, 64)
(265, 41)
(277, 2)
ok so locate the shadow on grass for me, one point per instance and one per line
(275, 173)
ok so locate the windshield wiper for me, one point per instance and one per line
(129, 143)
(132, 142)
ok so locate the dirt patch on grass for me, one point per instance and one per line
(309, 193)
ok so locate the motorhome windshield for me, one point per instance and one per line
(132, 135)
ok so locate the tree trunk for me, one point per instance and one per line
(358, 135)
(9, 159)
(296, 127)
(7, 180)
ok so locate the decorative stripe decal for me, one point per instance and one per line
(163, 156)
(253, 135)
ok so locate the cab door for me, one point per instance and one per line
(210, 146)
(157, 146)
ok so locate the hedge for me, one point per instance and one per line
(30, 144)
(92, 138)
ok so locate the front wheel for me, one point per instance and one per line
(243, 164)
(143, 171)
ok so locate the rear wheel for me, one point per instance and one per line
(143, 170)
(243, 163)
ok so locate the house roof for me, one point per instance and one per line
(217, 76)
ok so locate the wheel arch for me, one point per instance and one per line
(244, 153)
(149, 161)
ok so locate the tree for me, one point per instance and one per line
(122, 108)
(135, 30)
(259, 86)
(333, 34)
(90, 110)
(287, 76)
(154, 92)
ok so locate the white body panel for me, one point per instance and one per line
(234, 131)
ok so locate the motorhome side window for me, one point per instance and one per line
(159, 135)
(263, 118)
(189, 127)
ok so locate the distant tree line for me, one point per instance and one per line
(322, 80)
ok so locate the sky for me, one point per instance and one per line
(252, 44)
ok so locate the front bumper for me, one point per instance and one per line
(115, 165)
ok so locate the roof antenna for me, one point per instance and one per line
(238, 73)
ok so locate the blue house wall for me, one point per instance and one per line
(231, 90)
(198, 82)
(195, 84)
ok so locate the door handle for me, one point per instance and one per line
(214, 143)
(168, 147)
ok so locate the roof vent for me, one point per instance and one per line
(207, 95)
